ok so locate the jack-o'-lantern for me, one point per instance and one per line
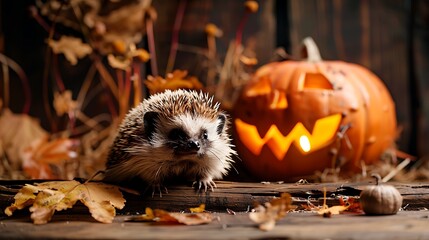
(297, 117)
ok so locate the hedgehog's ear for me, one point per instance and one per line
(149, 123)
(222, 120)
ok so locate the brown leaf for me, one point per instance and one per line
(119, 62)
(192, 218)
(48, 197)
(71, 47)
(63, 102)
(127, 55)
(352, 204)
(159, 215)
(18, 131)
(266, 216)
(100, 200)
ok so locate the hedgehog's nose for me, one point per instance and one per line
(193, 145)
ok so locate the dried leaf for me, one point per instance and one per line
(266, 216)
(100, 200)
(352, 205)
(326, 211)
(334, 210)
(63, 102)
(119, 62)
(42, 152)
(127, 55)
(198, 209)
(71, 47)
(159, 215)
(18, 131)
(173, 81)
(48, 197)
(192, 218)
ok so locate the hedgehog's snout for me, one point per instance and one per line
(193, 145)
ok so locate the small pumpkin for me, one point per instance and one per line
(297, 117)
(380, 199)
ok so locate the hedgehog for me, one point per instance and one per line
(174, 134)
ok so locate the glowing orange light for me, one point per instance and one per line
(304, 143)
(324, 131)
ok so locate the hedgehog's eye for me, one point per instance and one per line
(177, 134)
(205, 135)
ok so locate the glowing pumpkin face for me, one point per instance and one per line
(297, 117)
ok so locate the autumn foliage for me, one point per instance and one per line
(46, 198)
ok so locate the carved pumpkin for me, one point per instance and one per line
(297, 117)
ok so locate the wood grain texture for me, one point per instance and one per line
(76, 223)
(241, 196)
(404, 225)
(370, 33)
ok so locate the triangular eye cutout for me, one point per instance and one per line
(315, 81)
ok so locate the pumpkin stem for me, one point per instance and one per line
(310, 51)
(377, 178)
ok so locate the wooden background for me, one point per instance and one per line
(390, 37)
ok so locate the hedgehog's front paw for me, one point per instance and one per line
(158, 188)
(204, 184)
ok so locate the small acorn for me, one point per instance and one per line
(380, 199)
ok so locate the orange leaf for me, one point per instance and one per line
(159, 215)
(42, 152)
(176, 80)
(198, 209)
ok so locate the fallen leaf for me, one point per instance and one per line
(159, 215)
(334, 210)
(198, 209)
(326, 211)
(352, 204)
(267, 215)
(192, 218)
(48, 197)
(71, 47)
(100, 200)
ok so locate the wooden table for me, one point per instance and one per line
(78, 224)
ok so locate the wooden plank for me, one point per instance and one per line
(240, 196)
(404, 225)
(77, 223)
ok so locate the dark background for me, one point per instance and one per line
(390, 37)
